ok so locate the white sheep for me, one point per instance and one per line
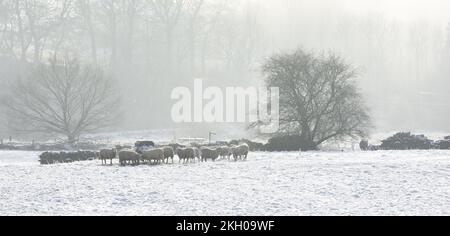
(168, 153)
(107, 154)
(131, 156)
(155, 155)
(240, 152)
(225, 152)
(209, 153)
(186, 154)
(198, 154)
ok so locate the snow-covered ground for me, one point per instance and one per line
(316, 183)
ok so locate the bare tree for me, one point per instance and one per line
(110, 19)
(238, 37)
(86, 12)
(63, 98)
(318, 97)
(168, 14)
(133, 9)
(15, 38)
(43, 18)
(215, 9)
(29, 24)
(193, 14)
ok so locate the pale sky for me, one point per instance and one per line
(408, 10)
(437, 11)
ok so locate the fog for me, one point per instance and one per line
(400, 47)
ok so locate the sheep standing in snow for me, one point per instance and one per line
(155, 156)
(47, 158)
(198, 154)
(129, 156)
(107, 154)
(168, 153)
(364, 145)
(240, 152)
(180, 153)
(186, 154)
(225, 152)
(209, 153)
(192, 154)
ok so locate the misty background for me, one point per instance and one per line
(400, 47)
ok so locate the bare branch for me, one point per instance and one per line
(319, 100)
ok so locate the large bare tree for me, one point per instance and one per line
(318, 97)
(63, 98)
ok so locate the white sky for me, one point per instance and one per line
(433, 11)
(408, 10)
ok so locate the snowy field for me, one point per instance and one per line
(317, 183)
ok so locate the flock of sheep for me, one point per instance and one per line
(49, 158)
(129, 156)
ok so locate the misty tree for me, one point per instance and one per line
(318, 97)
(86, 12)
(63, 98)
(168, 13)
(206, 30)
(29, 24)
(159, 44)
(238, 37)
(193, 13)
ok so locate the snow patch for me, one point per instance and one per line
(314, 183)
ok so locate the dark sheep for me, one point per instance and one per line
(107, 154)
(198, 154)
(129, 157)
(240, 152)
(186, 154)
(169, 153)
(209, 153)
(155, 156)
(48, 158)
(225, 152)
(364, 145)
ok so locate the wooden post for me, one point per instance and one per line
(210, 136)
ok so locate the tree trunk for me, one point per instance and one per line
(37, 50)
(71, 139)
(308, 145)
